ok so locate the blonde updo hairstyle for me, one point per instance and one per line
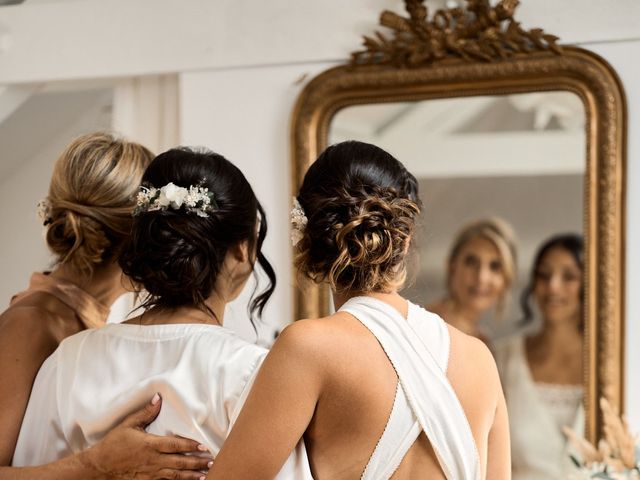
(361, 205)
(91, 197)
(501, 235)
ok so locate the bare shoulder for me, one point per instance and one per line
(334, 340)
(28, 328)
(25, 316)
(469, 344)
(312, 336)
(470, 358)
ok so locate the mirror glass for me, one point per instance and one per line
(520, 158)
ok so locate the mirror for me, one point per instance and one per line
(550, 119)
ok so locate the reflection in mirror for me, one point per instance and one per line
(512, 162)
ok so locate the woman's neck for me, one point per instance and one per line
(559, 334)
(212, 314)
(104, 284)
(393, 298)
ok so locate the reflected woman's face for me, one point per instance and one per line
(557, 286)
(477, 275)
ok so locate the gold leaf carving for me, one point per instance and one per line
(477, 32)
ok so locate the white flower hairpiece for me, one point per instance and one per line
(298, 222)
(43, 209)
(198, 200)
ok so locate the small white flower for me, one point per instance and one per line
(172, 194)
(192, 196)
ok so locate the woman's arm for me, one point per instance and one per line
(278, 409)
(499, 442)
(126, 452)
(499, 448)
(24, 346)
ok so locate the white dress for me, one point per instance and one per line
(97, 377)
(537, 412)
(418, 349)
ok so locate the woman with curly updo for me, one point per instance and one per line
(382, 387)
(87, 215)
(197, 232)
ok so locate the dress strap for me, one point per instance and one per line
(429, 394)
(399, 435)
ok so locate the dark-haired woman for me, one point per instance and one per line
(87, 215)
(381, 388)
(197, 231)
(542, 374)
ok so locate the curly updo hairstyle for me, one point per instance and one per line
(361, 204)
(91, 196)
(177, 255)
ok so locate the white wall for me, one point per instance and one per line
(27, 182)
(97, 38)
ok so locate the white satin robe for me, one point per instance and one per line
(97, 377)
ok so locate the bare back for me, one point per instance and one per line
(355, 405)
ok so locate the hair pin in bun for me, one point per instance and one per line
(44, 211)
(195, 199)
(298, 222)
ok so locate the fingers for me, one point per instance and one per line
(168, 474)
(176, 444)
(185, 463)
(144, 416)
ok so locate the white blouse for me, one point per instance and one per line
(537, 413)
(97, 377)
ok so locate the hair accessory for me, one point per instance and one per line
(43, 210)
(198, 200)
(298, 222)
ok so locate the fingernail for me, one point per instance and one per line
(203, 448)
(155, 399)
(202, 477)
(210, 464)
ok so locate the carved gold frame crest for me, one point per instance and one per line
(482, 50)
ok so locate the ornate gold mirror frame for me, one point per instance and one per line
(482, 50)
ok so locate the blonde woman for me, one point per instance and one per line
(382, 387)
(481, 268)
(87, 215)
